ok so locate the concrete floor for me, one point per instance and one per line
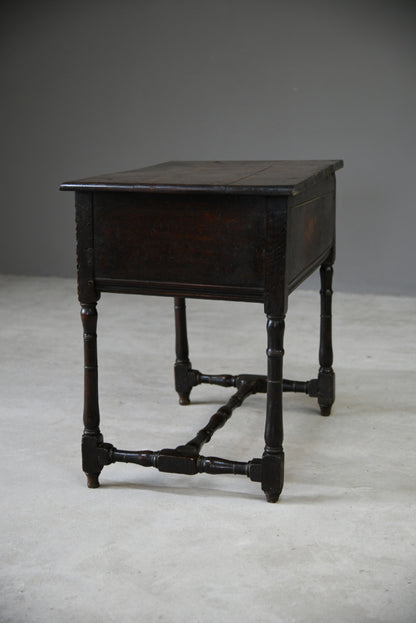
(338, 547)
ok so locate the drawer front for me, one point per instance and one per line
(193, 239)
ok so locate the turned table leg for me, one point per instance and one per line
(182, 365)
(326, 376)
(92, 436)
(273, 457)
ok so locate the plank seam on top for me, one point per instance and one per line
(250, 175)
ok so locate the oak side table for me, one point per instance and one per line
(229, 230)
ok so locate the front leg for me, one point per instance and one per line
(183, 366)
(326, 376)
(273, 457)
(91, 437)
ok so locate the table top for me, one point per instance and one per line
(251, 177)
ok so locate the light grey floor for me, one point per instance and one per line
(338, 547)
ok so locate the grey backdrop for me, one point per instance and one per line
(95, 86)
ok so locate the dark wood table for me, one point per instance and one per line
(229, 230)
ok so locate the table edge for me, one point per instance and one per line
(289, 189)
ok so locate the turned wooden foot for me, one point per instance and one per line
(272, 475)
(92, 481)
(184, 398)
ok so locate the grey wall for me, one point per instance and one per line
(95, 86)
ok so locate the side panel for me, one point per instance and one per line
(159, 242)
(311, 231)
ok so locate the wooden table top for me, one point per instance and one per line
(249, 177)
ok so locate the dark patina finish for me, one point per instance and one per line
(228, 230)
